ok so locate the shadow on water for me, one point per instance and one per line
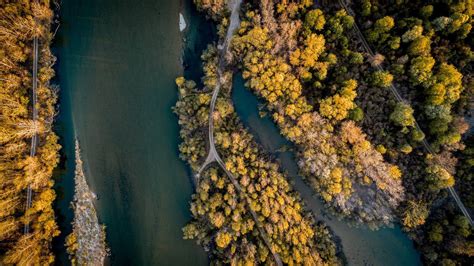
(64, 172)
(198, 34)
(361, 246)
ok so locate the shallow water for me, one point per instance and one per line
(117, 63)
(361, 246)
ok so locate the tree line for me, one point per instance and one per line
(20, 23)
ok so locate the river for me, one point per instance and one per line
(117, 61)
(361, 246)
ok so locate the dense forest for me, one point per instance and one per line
(20, 23)
(426, 48)
(243, 223)
(221, 214)
(374, 96)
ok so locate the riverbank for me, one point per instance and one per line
(86, 244)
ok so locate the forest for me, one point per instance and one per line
(426, 46)
(380, 134)
(20, 23)
(221, 217)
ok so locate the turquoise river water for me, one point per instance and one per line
(117, 61)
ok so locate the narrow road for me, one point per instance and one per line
(34, 139)
(213, 155)
(399, 98)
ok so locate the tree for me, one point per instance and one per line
(381, 79)
(438, 177)
(377, 60)
(436, 94)
(412, 34)
(420, 69)
(426, 11)
(448, 83)
(356, 114)
(436, 233)
(356, 58)
(417, 135)
(314, 46)
(462, 224)
(337, 107)
(394, 43)
(420, 46)
(315, 20)
(379, 33)
(402, 115)
(366, 6)
(384, 24)
(190, 231)
(415, 213)
(406, 148)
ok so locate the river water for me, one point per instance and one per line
(117, 61)
(361, 246)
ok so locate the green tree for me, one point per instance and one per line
(417, 135)
(438, 177)
(402, 115)
(315, 20)
(366, 7)
(356, 114)
(451, 79)
(356, 58)
(426, 11)
(436, 233)
(420, 69)
(381, 79)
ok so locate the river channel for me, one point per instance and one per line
(117, 61)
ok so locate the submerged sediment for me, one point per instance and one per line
(86, 244)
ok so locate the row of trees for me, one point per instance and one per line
(20, 22)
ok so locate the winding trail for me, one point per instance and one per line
(34, 138)
(213, 155)
(399, 98)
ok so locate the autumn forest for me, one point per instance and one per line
(374, 98)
